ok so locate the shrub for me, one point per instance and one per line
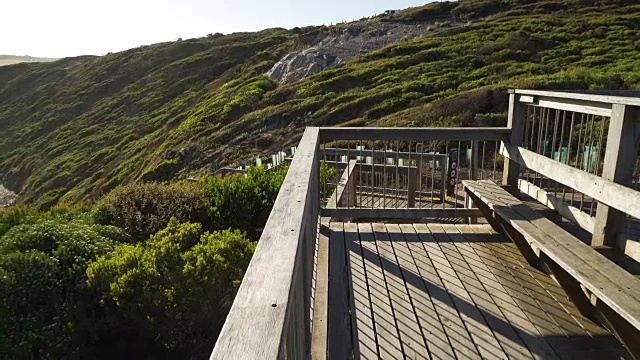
(171, 294)
(144, 209)
(12, 216)
(244, 203)
(46, 308)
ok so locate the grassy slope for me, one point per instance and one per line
(76, 128)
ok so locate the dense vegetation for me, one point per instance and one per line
(74, 129)
(150, 271)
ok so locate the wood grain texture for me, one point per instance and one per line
(605, 191)
(610, 283)
(271, 295)
(363, 328)
(573, 214)
(459, 291)
(387, 336)
(413, 134)
(630, 98)
(619, 157)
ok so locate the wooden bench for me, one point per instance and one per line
(600, 289)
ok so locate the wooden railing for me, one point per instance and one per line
(578, 153)
(270, 317)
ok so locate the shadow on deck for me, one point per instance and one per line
(448, 291)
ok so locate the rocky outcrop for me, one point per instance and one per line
(6, 197)
(345, 42)
(298, 65)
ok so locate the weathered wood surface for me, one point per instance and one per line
(611, 284)
(571, 213)
(619, 160)
(576, 105)
(319, 335)
(345, 193)
(458, 292)
(414, 134)
(269, 317)
(628, 98)
(516, 122)
(605, 191)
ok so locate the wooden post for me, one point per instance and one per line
(619, 163)
(516, 122)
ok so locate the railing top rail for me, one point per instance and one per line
(606, 97)
(255, 325)
(414, 134)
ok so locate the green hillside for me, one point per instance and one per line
(78, 127)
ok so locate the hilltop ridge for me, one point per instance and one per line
(73, 129)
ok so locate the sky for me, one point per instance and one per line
(62, 28)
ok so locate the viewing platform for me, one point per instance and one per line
(516, 242)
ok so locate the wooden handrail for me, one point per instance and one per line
(607, 192)
(604, 97)
(414, 134)
(269, 318)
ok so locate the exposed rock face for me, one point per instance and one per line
(344, 43)
(6, 197)
(298, 65)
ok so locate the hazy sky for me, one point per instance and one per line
(58, 28)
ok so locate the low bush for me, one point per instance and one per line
(170, 295)
(144, 209)
(243, 202)
(47, 310)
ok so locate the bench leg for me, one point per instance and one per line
(570, 286)
(502, 227)
(469, 204)
(529, 254)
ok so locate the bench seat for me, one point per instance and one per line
(605, 280)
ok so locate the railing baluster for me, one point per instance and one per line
(443, 166)
(348, 189)
(495, 161)
(373, 161)
(433, 173)
(421, 164)
(384, 177)
(397, 164)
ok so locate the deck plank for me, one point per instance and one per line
(484, 291)
(413, 343)
(482, 336)
(339, 320)
(439, 291)
(493, 275)
(443, 303)
(387, 337)
(561, 330)
(583, 338)
(364, 336)
(430, 323)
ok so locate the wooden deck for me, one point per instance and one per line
(437, 291)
